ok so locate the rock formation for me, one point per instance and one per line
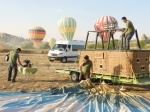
(144, 37)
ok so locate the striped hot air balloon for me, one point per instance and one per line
(37, 34)
(67, 27)
(105, 22)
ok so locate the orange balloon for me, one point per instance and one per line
(37, 34)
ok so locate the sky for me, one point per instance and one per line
(18, 16)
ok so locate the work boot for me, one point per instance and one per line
(9, 80)
(13, 80)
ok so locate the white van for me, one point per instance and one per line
(66, 50)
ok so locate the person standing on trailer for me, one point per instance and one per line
(13, 58)
(128, 32)
(86, 68)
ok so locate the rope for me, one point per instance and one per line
(130, 65)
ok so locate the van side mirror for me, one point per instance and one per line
(66, 50)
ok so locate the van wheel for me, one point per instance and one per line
(51, 60)
(64, 60)
(74, 76)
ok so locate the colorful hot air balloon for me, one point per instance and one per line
(37, 34)
(67, 27)
(51, 42)
(105, 22)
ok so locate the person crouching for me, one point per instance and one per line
(86, 68)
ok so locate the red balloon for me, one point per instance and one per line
(105, 22)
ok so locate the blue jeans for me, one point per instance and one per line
(10, 68)
(127, 38)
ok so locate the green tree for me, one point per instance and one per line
(27, 45)
(143, 44)
(44, 45)
(99, 45)
(4, 46)
(116, 42)
(90, 46)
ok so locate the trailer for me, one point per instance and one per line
(115, 65)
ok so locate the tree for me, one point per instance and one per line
(27, 45)
(99, 45)
(90, 46)
(4, 46)
(44, 45)
(116, 42)
(143, 44)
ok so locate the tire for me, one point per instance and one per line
(51, 60)
(64, 60)
(74, 76)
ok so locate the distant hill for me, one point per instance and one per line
(12, 39)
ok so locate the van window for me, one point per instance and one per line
(77, 47)
(69, 48)
(59, 47)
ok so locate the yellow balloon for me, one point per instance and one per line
(67, 27)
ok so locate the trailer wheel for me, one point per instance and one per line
(74, 76)
(64, 60)
(51, 60)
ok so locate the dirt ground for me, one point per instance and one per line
(46, 77)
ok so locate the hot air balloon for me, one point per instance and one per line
(67, 27)
(105, 22)
(37, 34)
(51, 42)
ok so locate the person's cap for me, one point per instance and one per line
(86, 57)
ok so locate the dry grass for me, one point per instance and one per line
(46, 77)
(2, 46)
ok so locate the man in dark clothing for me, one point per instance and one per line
(86, 68)
(128, 32)
(13, 58)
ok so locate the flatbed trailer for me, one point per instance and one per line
(74, 74)
(118, 66)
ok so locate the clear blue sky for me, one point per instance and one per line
(17, 16)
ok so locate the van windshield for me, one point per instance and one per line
(61, 47)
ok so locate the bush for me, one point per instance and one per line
(27, 45)
(143, 44)
(4, 46)
(99, 45)
(44, 45)
(90, 46)
(116, 41)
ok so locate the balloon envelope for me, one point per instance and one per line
(105, 22)
(51, 42)
(37, 34)
(67, 27)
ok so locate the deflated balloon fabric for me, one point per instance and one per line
(71, 99)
